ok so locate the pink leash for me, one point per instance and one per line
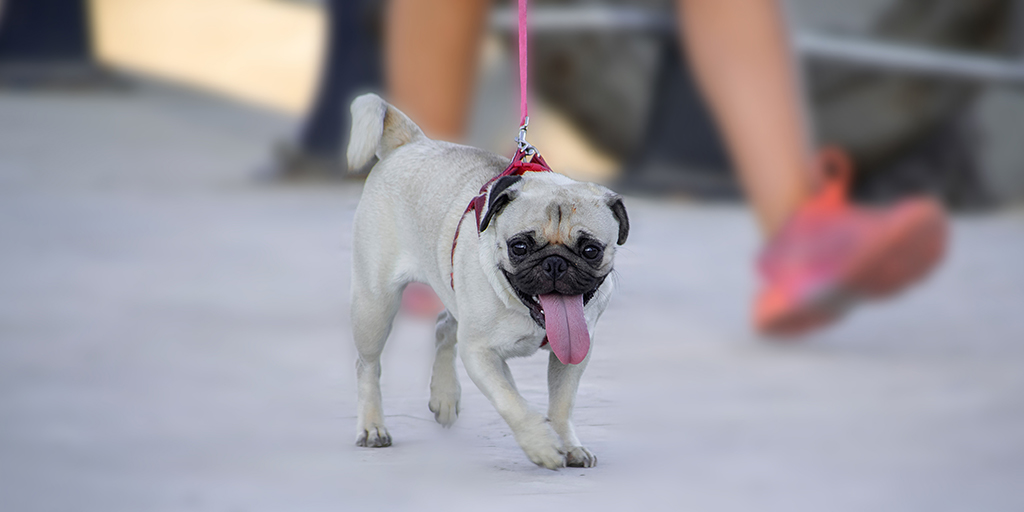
(524, 116)
(526, 158)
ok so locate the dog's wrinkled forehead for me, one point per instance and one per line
(558, 210)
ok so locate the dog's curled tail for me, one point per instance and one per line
(377, 129)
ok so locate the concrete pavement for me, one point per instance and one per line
(174, 336)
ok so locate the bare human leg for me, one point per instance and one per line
(741, 56)
(822, 254)
(430, 53)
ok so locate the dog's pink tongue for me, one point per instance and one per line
(566, 327)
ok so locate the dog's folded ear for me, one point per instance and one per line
(619, 211)
(498, 198)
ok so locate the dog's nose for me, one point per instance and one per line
(554, 266)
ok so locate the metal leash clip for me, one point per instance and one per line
(525, 148)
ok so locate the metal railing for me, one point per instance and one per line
(854, 51)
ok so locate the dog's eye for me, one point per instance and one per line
(591, 252)
(519, 248)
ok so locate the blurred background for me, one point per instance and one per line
(174, 240)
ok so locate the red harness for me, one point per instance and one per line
(517, 167)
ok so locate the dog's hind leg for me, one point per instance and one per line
(372, 315)
(444, 381)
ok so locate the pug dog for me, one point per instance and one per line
(531, 275)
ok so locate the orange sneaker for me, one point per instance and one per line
(830, 254)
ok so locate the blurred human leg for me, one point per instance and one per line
(740, 53)
(431, 49)
(822, 253)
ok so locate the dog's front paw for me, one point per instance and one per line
(541, 445)
(580, 457)
(546, 455)
(374, 436)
